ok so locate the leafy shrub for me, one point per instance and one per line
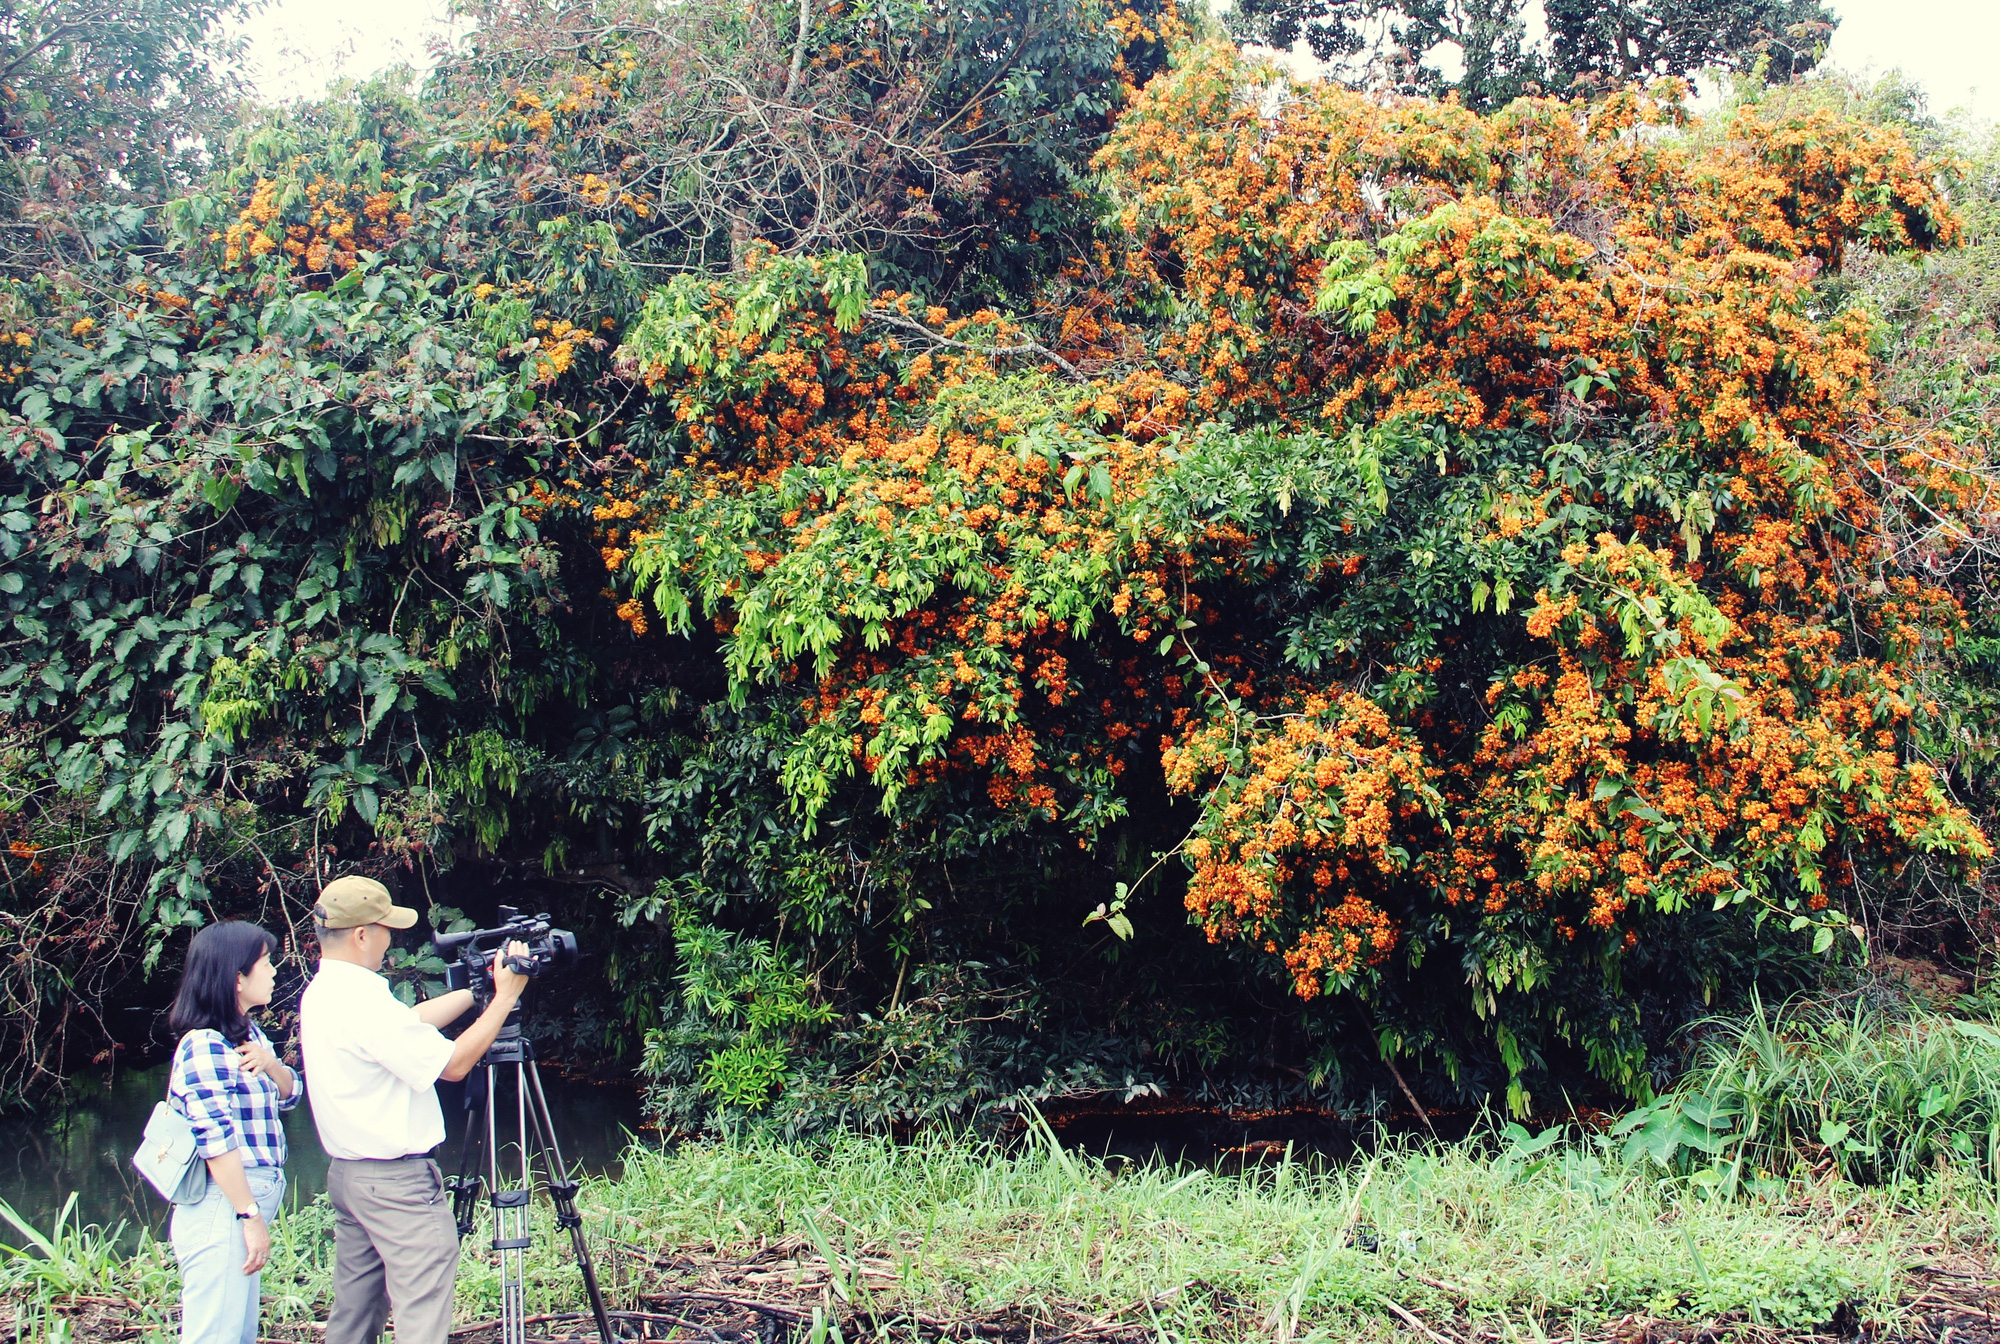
(728, 1043)
(751, 1041)
(1494, 624)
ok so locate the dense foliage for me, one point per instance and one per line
(105, 105)
(835, 521)
(1484, 50)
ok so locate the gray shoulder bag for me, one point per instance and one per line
(167, 1157)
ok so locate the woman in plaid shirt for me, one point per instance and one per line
(233, 1090)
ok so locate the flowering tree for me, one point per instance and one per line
(1482, 544)
(103, 104)
(1418, 579)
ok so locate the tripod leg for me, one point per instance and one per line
(464, 1187)
(510, 1220)
(562, 1193)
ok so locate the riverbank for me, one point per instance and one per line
(84, 1148)
(1506, 1239)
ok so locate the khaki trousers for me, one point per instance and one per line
(395, 1251)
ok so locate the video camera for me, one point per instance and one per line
(548, 947)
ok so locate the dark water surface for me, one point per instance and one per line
(86, 1148)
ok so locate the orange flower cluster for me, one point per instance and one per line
(23, 340)
(1298, 830)
(1631, 782)
(1692, 730)
(1369, 260)
(514, 132)
(318, 227)
(22, 849)
(998, 652)
(527, 112)
(557, 341)
(932, 547)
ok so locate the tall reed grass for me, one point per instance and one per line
(71, 1259)
(1880, 1099)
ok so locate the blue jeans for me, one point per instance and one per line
(219, 1302)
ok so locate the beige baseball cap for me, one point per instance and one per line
(350, 902)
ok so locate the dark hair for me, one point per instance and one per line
(207, 997)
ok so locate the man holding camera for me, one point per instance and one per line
(374, 1061)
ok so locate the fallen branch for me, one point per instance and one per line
(746, 1303)
(1449, 1288)
(564, 1317)
(547, 1318)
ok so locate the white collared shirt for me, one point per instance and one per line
(373, 1063)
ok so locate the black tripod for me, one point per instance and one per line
(511, 1204)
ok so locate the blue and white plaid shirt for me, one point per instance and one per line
(226, 1107)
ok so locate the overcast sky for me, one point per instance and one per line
(1951, 47)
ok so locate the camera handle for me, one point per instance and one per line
(514, 1053)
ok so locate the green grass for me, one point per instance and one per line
(1534, 1237)
(71, 1259)
(1879, 1099)
(1542, 1230)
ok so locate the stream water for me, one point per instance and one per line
(85, 1149)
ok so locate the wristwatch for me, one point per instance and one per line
(245, 1215)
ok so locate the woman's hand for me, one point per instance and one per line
(257, 1057)
(227, 1172)
(256, 1236)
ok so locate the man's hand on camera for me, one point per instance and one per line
(472, 1043)
(508, 983)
